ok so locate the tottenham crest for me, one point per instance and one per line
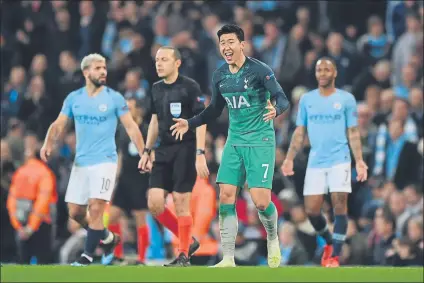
(175, 108)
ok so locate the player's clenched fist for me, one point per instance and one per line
(179, 128)
(361, 169)
(287, 167)
(45, 152)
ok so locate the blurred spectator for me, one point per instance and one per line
(382, 240)
(404, 47)
(31, 35)
(7, 239)
(91, 29)
(138, 24)
(400, 111)
(350, 40)
(397, 204)
(403, 254)
(345, 62)
(296, 95)
(378, 75)
(134, 86)
(38, 66)
(305, 233)
(414, 199)
(372, 99)
(162, 37)
(354, 250)
(396, 158)
(409, 77)
(36, 108)
(71, 78)
(63, 36)
(417, 106)
(292, 60)
(115, 17)
(271, 45)
(374, 45)
(208, 43)
(13, 92)
(292, 251)
(31, 205)
(371, 205)
(395, 19)
(307, 72)
(15, 141)
(58, 5)
(368, 132)
(415, 234)
(385, 107)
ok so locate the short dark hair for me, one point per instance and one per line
(230, 28)
(177, 53)
(329, 59)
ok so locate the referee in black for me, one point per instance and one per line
(177, 162)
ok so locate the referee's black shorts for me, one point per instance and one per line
(131, 192)
(174, 168)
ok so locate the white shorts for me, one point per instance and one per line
(91, 182)
(337, 179)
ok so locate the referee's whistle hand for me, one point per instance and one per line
(179, 128)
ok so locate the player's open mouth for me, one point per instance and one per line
(228, 55)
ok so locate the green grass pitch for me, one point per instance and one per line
(13, 273)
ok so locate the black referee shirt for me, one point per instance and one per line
(181, 99)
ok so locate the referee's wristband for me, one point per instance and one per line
(147, 150)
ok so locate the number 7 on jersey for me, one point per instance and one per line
(266, 170)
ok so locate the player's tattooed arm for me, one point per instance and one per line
(355, 142)
(296, 143)
(55, 130)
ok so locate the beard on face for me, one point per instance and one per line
(96, 82)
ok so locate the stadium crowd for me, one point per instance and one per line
(378, 48)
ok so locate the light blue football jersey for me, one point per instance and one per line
(96, 120)
(327, 119)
